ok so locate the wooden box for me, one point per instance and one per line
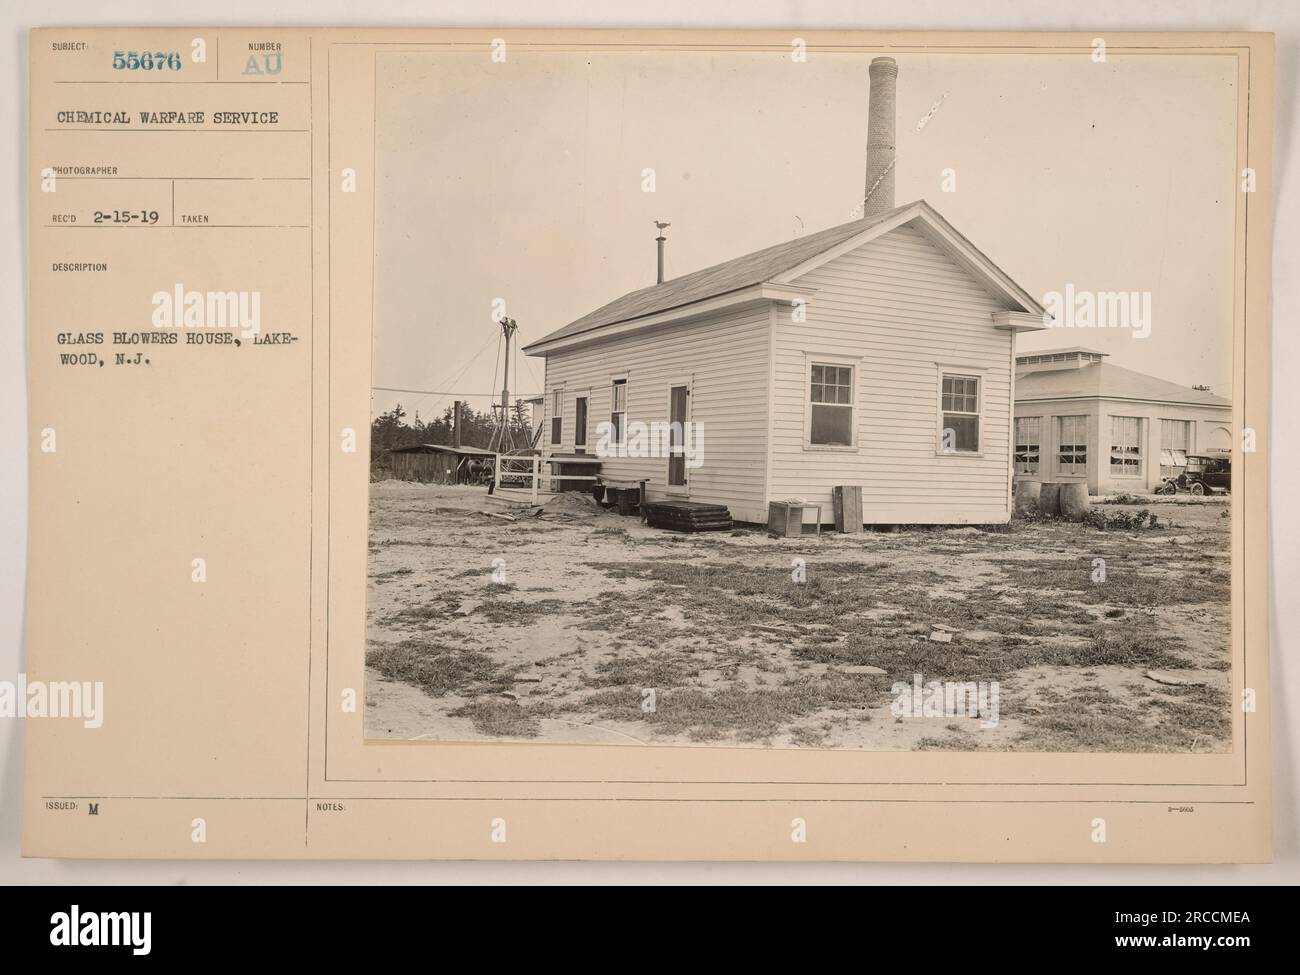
(846, 505)
(785, 519)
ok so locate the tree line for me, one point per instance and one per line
(392, 429)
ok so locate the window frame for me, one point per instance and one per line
(812, 359)
(1122, 471)
(980, 375)
(1169, 460)
(1060, 443)
(1036, 443)
(557, 417)
(619, 432)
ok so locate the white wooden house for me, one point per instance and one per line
(878, 353)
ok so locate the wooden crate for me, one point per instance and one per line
(846, 501)
(785, 518)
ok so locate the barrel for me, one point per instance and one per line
(1026, 497)
(1049, 499)
(1074, 500)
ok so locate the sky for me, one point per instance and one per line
(523, 181)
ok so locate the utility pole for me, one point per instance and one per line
(504, 440)
(508, 328)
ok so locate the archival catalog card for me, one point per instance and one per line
(648, 445)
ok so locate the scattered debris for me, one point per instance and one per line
(571, 505)
(1173, 680)
(778, 630)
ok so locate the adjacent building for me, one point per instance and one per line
(1080, 418)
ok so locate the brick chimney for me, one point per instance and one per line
(881, 114)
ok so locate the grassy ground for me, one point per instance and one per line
(586, 627)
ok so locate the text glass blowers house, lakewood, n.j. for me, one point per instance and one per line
(877, 353)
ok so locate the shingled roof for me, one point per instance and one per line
(1107, 381)
(781, 263)
(740, 272)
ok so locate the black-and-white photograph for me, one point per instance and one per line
(800, 399)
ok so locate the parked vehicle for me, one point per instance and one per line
(1205, 474)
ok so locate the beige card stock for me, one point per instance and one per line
(245, 244)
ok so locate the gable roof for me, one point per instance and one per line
(780, 261)
(1107, 381)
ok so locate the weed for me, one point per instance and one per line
(499, 719)
(437, 668)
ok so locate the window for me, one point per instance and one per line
(1126, 446)
(580, 425)
(1072, 441)
(830, 405)
(1175, 444)
(557, 417)
(618, 411)
(1028, 443)
(961, 414)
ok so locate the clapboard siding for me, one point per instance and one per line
(725, 359)
(897, 306)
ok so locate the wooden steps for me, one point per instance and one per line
(687, 516)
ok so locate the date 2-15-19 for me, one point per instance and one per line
(126, 216)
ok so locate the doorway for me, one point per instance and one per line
(580, 425)
(678, 417)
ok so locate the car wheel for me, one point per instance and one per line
(1198, 488)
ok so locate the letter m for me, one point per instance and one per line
(223, 309)
(1113, 308)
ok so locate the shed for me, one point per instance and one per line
(438, 463)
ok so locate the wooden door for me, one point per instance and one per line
(580, 425)
(678, 411)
